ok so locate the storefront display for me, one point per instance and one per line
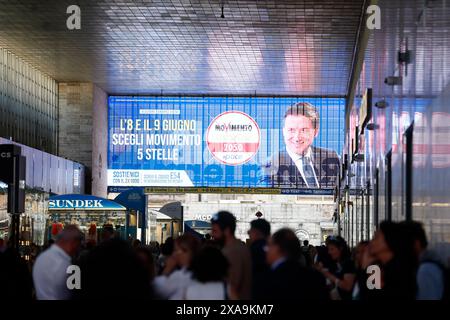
(91, 214)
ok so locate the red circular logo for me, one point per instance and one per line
(233, 137)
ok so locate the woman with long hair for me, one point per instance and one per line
(342, 278)
(176, 275)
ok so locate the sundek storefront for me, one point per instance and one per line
(91, 214)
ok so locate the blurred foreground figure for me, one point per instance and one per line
(393, 251)
(166, 251)
(342, 278)
(114, 270)
(15, 279)
(360, 287)
(145, 256)
(50, 269)
(288, 279)
(259, 233)
(177, 276)
(238, 255)
(430, 271)
(209, 270)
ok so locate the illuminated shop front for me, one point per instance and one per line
(91, 214)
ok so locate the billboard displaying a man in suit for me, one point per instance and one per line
(300, 164)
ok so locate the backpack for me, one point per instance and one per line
(446, 276)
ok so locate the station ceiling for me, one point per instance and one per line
(273, 47)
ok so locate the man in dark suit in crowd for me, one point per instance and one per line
(259, 233)
(301, 165)
(287, 278)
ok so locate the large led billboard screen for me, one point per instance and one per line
(225, 141)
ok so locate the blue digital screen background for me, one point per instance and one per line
(196, 161)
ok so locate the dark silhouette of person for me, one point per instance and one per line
(15, 280)
(393, 250)
(287, 278)
(223, 227)
(343, 277)
(259, 233)
(113, 270)
(209, 272)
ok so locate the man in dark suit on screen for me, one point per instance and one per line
(301, 165)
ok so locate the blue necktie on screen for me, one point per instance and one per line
(308, 171)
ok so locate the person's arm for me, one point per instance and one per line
(165, 285)
(170, 266)
(345, 284)
(234, 276)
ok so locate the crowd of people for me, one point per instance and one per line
(274, 266)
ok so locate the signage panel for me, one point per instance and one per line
(82, 202)
(222, 142)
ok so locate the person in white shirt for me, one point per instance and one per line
(209, 270)
(50, 269)
(173, 282)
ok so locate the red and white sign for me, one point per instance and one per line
(233, 137)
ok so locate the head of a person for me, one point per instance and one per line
(414, 233)
(186, 247)
(209, 265)
(136, 243)
(167, 247)
(301, 126)
(385, 242)
(69, 239)
(223, 226)
(107, 233)
(283, 244)
(207, 236)
(305, 243)
(337, 248)
(259, 229)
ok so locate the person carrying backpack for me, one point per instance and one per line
(432, 278)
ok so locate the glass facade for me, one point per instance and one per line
(28, 104)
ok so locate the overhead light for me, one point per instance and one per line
(222, 3)
(393, 81)
(359, 157)
(372, 126)
(382, 104)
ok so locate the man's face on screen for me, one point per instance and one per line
(299, 133)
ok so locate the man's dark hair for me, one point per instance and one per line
(399, 239)
(391, 234)
(167, 247)
(304, 109)
(107, 232)
(288, 243)
(415, 232)
(209, 265)
(224, 220)
(262, 225)
(305, 243)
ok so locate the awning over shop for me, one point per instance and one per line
(162, 216)
(198, 224)
(82, 202)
